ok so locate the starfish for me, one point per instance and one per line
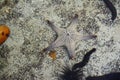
(66, 37)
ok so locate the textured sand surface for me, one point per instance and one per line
(21, 57)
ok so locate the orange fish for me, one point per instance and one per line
(4, 33)
(52, 54)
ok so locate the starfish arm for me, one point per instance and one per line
(79, 36)
(54, 28)
(88, 37)
(57, 43)
(70, 45)
(76, 36)
(73, 23)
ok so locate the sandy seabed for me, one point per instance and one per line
(21, 57)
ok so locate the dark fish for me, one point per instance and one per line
(111, 8)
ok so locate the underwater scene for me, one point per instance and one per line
(59, 39)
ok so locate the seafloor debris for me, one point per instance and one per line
(52, 54)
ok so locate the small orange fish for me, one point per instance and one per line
(52, 54)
